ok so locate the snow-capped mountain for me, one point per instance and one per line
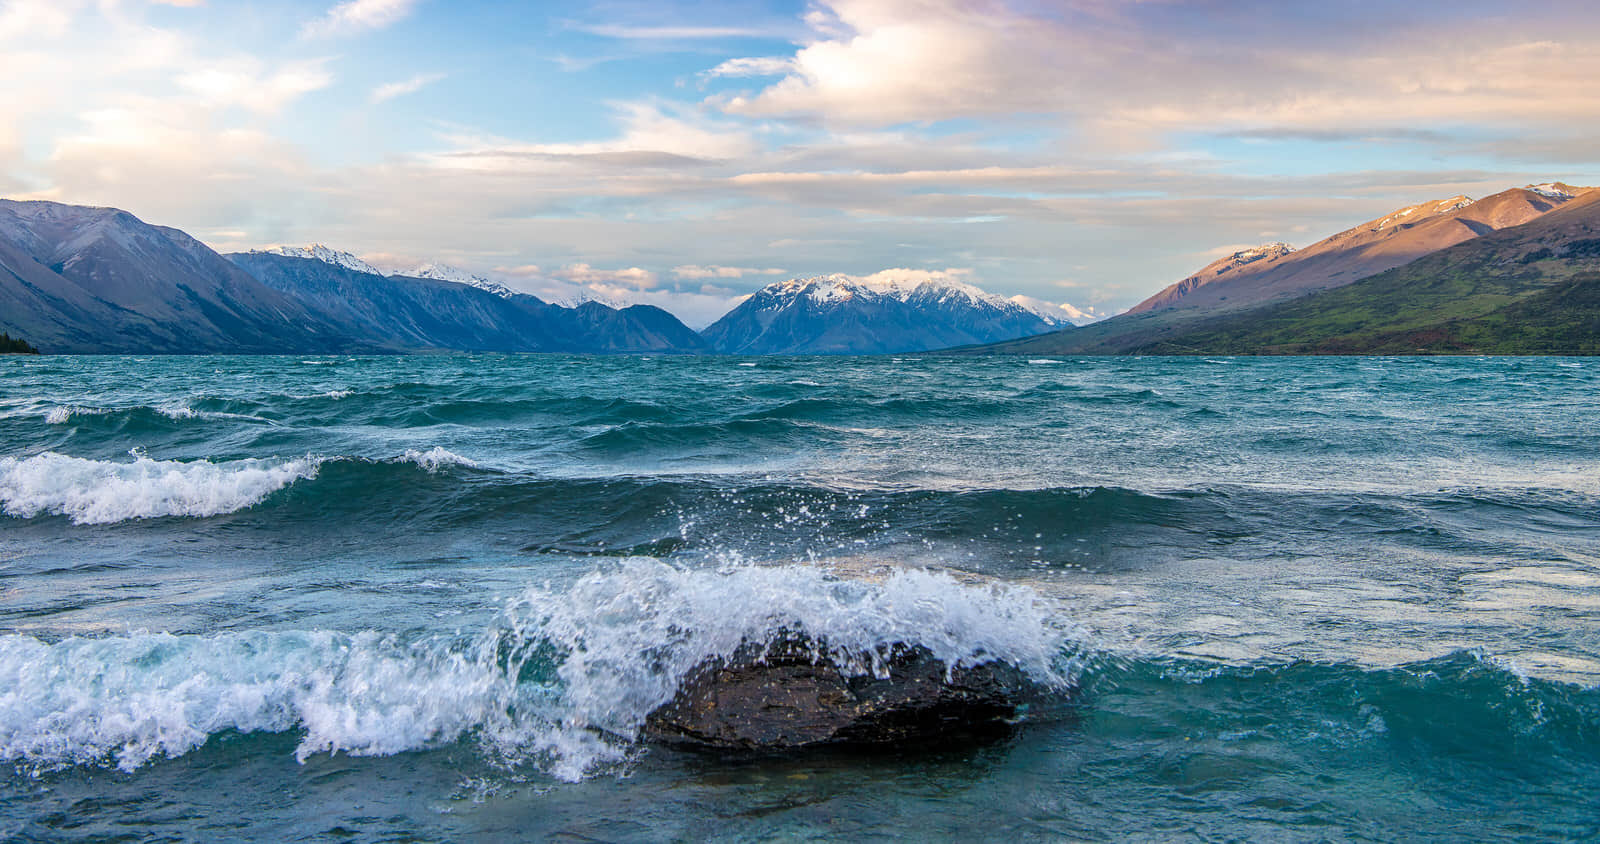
(441, 272)
(839, 314)
(436, 272)
(325, 254)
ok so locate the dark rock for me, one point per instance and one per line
(790, 694)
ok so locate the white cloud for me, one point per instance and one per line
(356, 16)
(243, 83)
(695, 271)
(629, 278)
(389, 91)
(37, 18)
(757, 66)
(1118, 72)
(652, 135)
(905, 277)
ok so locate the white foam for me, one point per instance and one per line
(436, 458)
(331, 394)
(632, 633)
(610, 650)
(92, 492)
(62, 415)
(130, 699)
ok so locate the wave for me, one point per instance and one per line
(561, 682)
(437, 458)
(751, 516)
(142, 417)
(95, 492)
(99, 492)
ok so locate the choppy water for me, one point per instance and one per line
(433, 598)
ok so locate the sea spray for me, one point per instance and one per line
(562, 681)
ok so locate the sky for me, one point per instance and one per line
(1086, 152)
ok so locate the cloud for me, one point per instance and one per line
(242, 82)
(388, 91)
(37, 18)
(630, 278)
(1122, 72)
(693, 271)
(905, 277)
(653, 135)
(356, 16)
(744, 67)
(882, 62)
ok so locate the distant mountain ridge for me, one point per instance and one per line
(325, 254)
(838, 314)
(86, 280)
(441, 272)
(406, 313)
(1266, 276)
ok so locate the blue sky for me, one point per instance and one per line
(1081, 151)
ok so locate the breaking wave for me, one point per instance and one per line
(99, 492)
(96, 492)
(562, 682)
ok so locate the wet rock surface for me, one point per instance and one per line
(790, 694)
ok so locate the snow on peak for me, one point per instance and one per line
(1257, 253)
(318, 252)
(1426, 209)
(1062, 314)
(917, 288)
(584, 297)
(1553, 190)
(838, 287)
(440, 272)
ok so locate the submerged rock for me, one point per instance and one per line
(791, 694)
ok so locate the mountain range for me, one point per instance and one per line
(1249, 287)
(1516, 272)
(78, 279)
(413, 313)
(85, 280)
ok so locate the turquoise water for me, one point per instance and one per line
(433, 598)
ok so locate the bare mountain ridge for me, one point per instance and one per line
(87, 279)
(1377, 245)
(1528, 289)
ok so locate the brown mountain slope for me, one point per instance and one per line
(1528, 289)
(1368, 249)
(1376, 246)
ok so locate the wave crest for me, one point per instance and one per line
(562, 682)
(95, 492)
